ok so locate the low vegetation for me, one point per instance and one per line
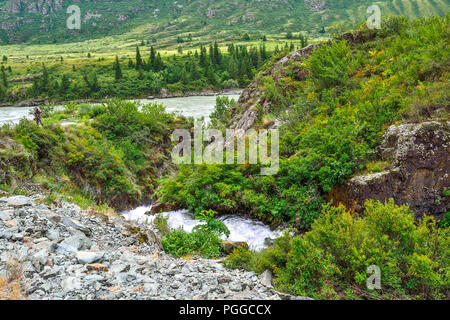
(204, 239)
(331, 260)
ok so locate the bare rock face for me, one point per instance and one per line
(43, 7)
(419, 154)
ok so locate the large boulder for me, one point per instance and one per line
(419, 157)
(229, 246)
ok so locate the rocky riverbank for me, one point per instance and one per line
(66, 253)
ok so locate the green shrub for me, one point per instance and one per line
(334, 256)
(202, 242)
(330, 65)
(161, 224)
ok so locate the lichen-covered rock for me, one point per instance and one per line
(419, 154)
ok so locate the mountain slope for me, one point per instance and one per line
(152, 20)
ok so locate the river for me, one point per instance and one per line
(241, 229)
(195, 106)
(253, 232)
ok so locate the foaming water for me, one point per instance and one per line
(253, 232)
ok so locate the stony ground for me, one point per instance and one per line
(67, 253)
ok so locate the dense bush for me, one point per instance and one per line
(331, 260)
(203, 240)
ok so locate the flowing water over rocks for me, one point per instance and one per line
(67, 253)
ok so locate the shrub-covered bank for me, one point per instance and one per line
(331, 260)
(332, 109)
(113, 154)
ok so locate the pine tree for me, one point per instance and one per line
(35, 88)
(233, 68)
(217, 54)
(210, 75)
(202, 56)
(159, 65)
(86, 80)
(95, 85)
(303, 40)
(65, 84)
(4, 78)
(117, 70)
(263, 52)
(195, 75)
(211, 54)
(151, 61)
(138, 59)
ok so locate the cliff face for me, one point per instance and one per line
(419, 154)
(41, 6)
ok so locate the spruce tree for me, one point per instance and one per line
(159, 65)
(202, 56)
(86, 80)
(117, 70)
(152, 59)
(4, 78)
(65, 84)
(138, 59)
(217, 54)
(211, 54)
(95, 85)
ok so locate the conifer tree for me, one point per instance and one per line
(152, 59)
(65, 84)
(4, 78)
(217, 54)
(138, 59)
(95, 85)
(202, 56)
(117, 70)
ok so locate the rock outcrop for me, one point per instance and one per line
(419, 154)
(43, 7)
